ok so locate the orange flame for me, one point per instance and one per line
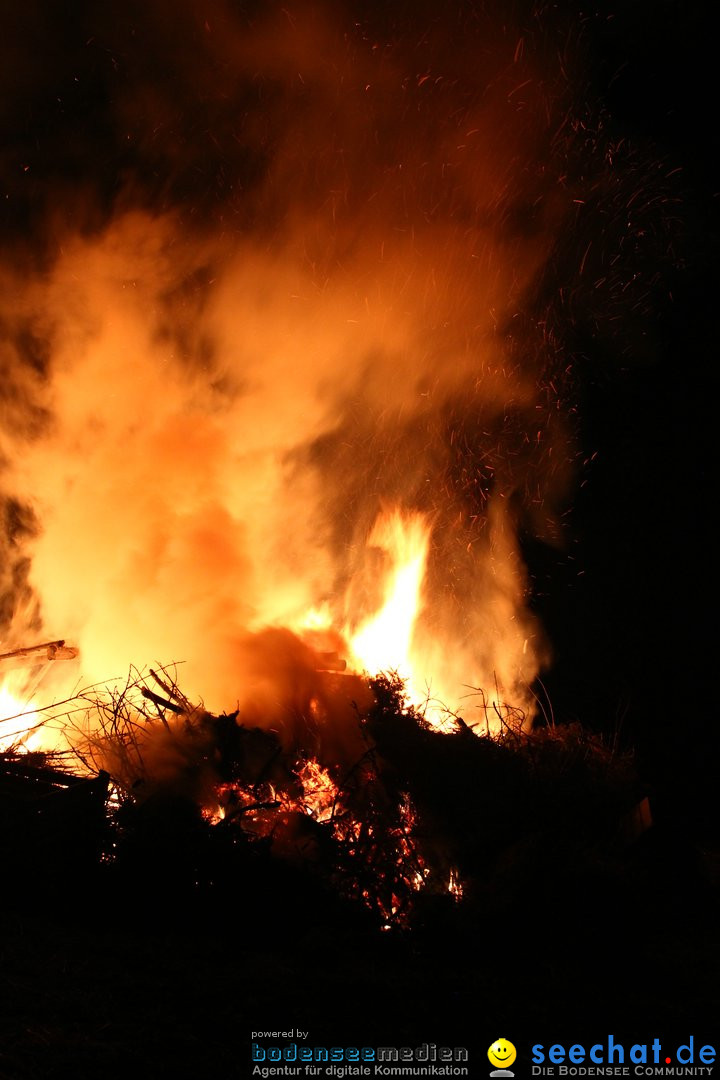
(433, 664)
(319, 790)
(385, 641)
(18, 721)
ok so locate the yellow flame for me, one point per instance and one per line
(316, 618)
(485, 674)
(17, 721)
(384, 642)
(29, 718)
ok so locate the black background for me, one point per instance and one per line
(635, 636)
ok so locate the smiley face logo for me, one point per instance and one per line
(502, 1053)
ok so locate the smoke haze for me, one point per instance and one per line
(268, 271)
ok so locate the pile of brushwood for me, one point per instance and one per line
(422, 829)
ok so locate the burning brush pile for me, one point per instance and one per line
(289, 350)
(358, 798)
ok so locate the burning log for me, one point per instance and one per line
(172, 691)
(161, 702)
(417, 820)
(331, 661)
(49, 650)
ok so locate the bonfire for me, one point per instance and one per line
(390, 805)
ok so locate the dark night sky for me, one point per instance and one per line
(645, 610)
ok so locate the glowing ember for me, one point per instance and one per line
(455, 885)
(319, 790)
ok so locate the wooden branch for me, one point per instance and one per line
(330, 661)
(173, 692)
(161, 702)
(54, 650)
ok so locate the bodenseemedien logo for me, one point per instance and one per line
(502, 1054)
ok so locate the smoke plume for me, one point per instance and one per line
(269, 270)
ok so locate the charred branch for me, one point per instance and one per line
(48, 650)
